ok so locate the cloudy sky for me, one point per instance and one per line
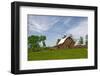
(54, 27)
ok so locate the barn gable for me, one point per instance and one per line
(66, 42)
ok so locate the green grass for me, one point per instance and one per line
(53, 54)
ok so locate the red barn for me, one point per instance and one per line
(66, 42)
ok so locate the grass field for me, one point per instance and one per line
(54, 54)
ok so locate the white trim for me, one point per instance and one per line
(62, 40)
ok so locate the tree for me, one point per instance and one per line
(33, 41)
(57, 41)
(81, 40)
(43, 38)
(86, 40)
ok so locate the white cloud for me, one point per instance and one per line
(67, 20)
(80, 30)
(41, 24)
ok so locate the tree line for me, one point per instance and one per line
(81, 40)
(34, 40)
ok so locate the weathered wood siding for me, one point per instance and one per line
(68, 43)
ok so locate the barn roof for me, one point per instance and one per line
(76, 42)
(62, 40)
